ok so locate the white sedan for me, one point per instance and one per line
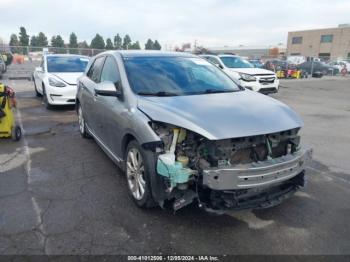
(56, 78)
(239, 69)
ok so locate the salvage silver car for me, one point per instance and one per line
(184, 132)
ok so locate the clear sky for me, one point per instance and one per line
(172, 22)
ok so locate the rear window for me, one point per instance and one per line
(71, 64)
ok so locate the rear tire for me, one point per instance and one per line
(138, 176)
(82, 124)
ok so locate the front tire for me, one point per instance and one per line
(36, 89)
(46, 100)
(138, 176)
(16, 133)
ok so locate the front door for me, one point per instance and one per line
(111, 109)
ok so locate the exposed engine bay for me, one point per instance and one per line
(231, 173)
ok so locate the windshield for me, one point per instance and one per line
(235, 62)
(66, 64)
(168, 76)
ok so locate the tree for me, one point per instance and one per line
(73, 43)
(156, 45)
(23, 37)
(38, 41)
(33, 41)
(135, 45)
(83, 45)
(149, 45)
(14, 40)
(117, 42)
(14, 43)
(73, 40)
(97, 42)
(57, 41)
(109, 44)
(42, 40)
(126, 42)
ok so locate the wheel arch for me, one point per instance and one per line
(127, 138)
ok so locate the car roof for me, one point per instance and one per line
(219, 55)
(149, 53)
(64, 55)
(227, 55)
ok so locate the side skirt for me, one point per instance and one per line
(118, 161)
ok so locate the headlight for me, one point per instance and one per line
(247, 78)
(56, 83)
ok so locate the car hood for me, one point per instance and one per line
(223, 115)
(252, 71)
(68, 78)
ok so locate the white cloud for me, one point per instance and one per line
(210, 22)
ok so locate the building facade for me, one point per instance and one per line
(329, 43)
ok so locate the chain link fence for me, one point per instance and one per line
(22, 60)
(30, 53)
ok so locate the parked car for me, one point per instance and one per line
(296, 59)
(318, 68)
(183, 131)
(2, 66)
(276, 64)
(284, 69)
(256, 63)
(249, 77)
(340, 65)
(56, 78)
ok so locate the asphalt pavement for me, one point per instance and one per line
(60, 194)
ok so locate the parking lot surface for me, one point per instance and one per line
(60, 194)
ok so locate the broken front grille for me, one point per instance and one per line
(250, 149)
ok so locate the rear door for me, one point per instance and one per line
(88, 98)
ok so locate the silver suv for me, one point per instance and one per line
(184, 132)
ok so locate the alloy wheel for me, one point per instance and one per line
(135, 173)
(81, 120)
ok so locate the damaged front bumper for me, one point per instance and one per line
(259, 185)
(253, 198)
(258, 174)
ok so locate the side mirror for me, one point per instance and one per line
(220, 66)
(108, 88)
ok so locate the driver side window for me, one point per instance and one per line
(95, 69)
(110, 71)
